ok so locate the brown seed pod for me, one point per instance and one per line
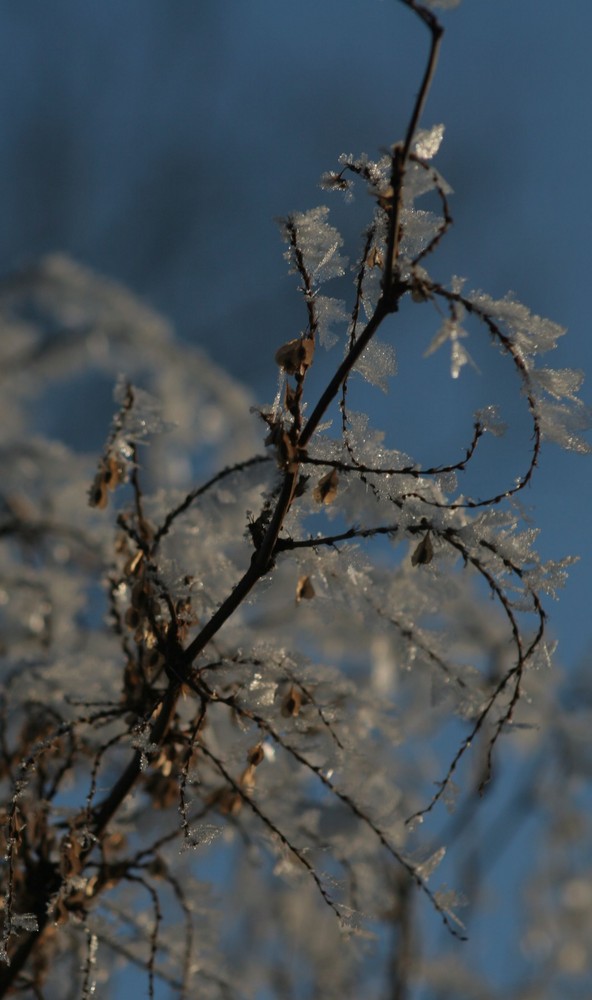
(296, 355)
(292, 702)
(326, 489)
(304, 589)
(424, 553)
(255, 755)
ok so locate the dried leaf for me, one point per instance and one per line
(326, 489)
(302, 484)
(296, 355)
(70, 857)
(229, 802)
(133, 563)
(385, 196)
(108, 477)
(291, 399)
(287, 453)
(292, 702)
(256, 755)
(374, 257)
(132, 619)
(247, 778)
(304, 589)
(113, 473)
(97, 495)
(424, 553)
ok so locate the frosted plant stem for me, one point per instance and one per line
(259, 566)
(105, 812)
(400, 155)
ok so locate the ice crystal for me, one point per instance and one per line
(489, 419)
(449, 901)
(459, 356)
(330, 313)
(377, 364)
(24, 922)
(427, 868)
(318, 242)
(419, 228)
(143, 417)
(200, 836)
(530, 333)
(428, 141)
(561, 423)
(559, 383)
(142, 742)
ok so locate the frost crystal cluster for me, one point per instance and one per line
(259, 662)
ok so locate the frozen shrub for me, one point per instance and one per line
(242, 645)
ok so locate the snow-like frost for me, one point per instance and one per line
(318, 242)
(144, 418)
(549, 577)
(24, 922)
(376, 171)
(142, 741)
(453, 332)
(419, 229)
(377, 363)
(420, 181)
(428, 141)
(426, 868)
(330, 312)
(448, 900)
(561, 383)
(201, 835)
(562, 423)
(490, 420)
(531, 333)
